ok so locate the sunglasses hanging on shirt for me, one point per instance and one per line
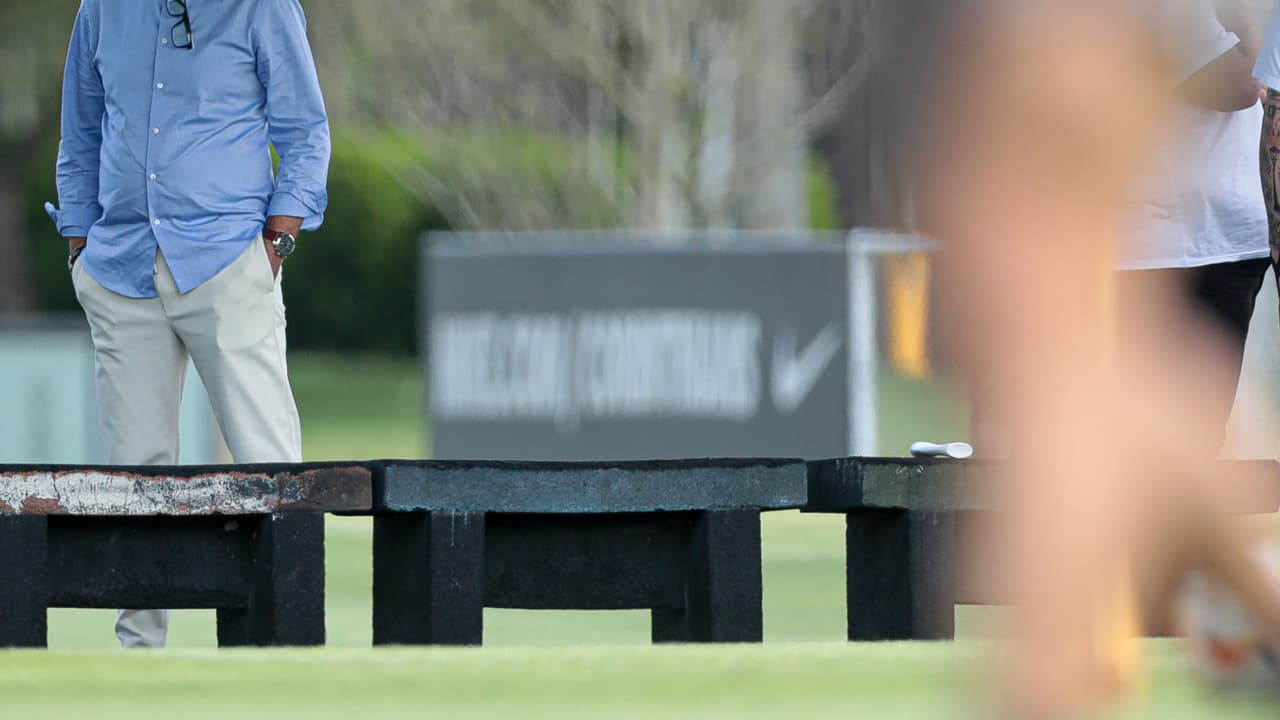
(181, 32)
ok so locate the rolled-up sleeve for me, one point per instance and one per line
(297, 123)
(79, 150)
(1267, 69)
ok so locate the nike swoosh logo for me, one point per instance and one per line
(795, 373)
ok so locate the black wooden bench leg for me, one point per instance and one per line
(286, 600)
(428, 578)
(24, 586)
(900, 575)
(724, 590)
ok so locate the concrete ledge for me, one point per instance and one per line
(598, 488)
(844, 484)
(183, 491)
(906, 524)
(931, 485)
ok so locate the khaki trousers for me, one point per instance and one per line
(233, 330)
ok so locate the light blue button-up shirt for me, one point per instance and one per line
(170, 147)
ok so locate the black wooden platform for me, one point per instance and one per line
(901, 538)
(247, 540)
(681, 538)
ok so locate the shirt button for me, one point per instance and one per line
(164, 41)
(155, 131)
(159, 86)
(152, 176)
(156, 221)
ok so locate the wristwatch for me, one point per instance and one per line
(75, 255)
(283, 243)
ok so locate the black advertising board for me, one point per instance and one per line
(546, 347)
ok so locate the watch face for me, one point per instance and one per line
(284, 244)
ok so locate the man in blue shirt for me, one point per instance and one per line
(178, 226)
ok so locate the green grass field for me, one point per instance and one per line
(542, 664)
(775, 680)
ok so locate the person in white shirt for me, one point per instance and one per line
(1109, 496)
(1198, 221)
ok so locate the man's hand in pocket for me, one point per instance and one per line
(283, 224)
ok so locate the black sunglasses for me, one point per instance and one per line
(181, 32)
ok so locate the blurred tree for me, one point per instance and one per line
(33, 45)
(694, 113)
(868, 146)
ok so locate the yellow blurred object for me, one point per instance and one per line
(907, 291)
(1118, 639)
(1119, 627)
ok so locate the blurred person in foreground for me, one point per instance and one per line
(1053, 109)
(178, 226)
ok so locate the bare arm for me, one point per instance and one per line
(1269, 165)
(1227, 83)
